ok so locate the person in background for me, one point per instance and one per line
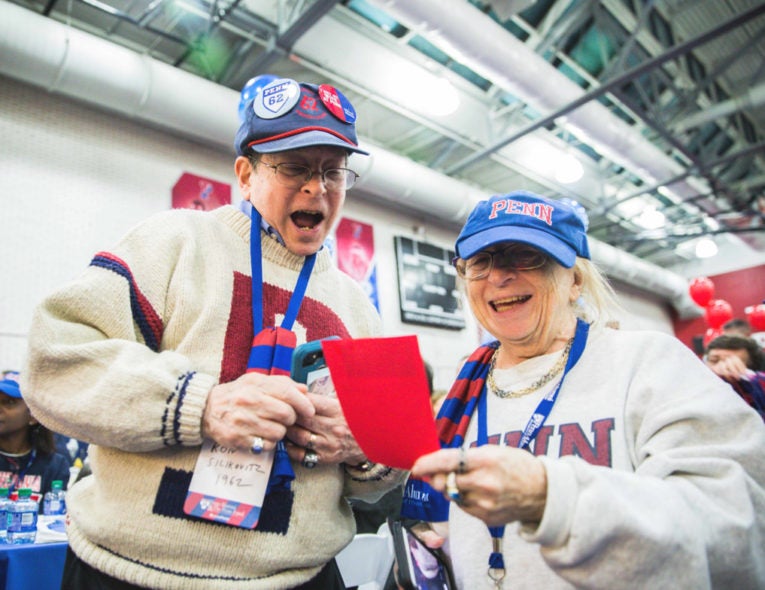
(28, 457)
(429, 375)
(170, 356)
(576, 455)
(437, 400)
(737, 327)
(741, 362)
(436, 395)
(76, 451)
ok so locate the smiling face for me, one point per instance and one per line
(528, 311)
(305, 215)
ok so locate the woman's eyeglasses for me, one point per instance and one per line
(511, 258)
(296, 175)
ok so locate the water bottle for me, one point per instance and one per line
(54, 501)
(5, 502)
(22, 519)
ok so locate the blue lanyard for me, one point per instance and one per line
(269, 357)
(257, 280)
(533, 426)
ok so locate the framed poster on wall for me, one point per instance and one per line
(355, 245)
(196, 192)
(427, 285)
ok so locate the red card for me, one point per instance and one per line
(383, 390)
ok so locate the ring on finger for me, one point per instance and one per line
(451, 488)
(257, 445)
(311, 442)
(462, 467)
(310, 460)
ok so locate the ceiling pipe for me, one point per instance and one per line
(61, 59)
(753, 97)
(286, 39)
(480, 43)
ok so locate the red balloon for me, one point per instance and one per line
(718, 312)
(702, 289)
(710, 335)
(757, 318)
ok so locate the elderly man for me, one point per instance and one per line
(170, 356)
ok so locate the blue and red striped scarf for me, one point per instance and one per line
(454, 417)
(420, 501)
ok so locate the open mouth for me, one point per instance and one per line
(307, 220)
(505, 304)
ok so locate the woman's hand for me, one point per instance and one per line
(499, 485)
(254, 406)
(326, 433)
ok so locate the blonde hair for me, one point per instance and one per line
(598, 303)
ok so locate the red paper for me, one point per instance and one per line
(384, 393)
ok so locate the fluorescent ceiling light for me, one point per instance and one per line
(663, 190)
(426, 93)
(568, 169)
(705, 248)
(650, 218)
(547, 159)
(444, 99)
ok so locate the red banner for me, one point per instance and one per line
(195, 192)
(356, 255)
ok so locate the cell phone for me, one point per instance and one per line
(419, 566)
(309, 367)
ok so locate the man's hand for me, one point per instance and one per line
(326, 433)
(254, 405)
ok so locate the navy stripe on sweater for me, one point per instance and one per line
(148, 321)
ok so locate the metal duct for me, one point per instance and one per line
(43, 52)
(645, 276)
(479, 42)
(753, 97)
(399, 180)
(62, 59)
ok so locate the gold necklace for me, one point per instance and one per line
(546, 378)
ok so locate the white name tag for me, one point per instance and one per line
(229, 485)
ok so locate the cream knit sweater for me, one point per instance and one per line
(124, 357)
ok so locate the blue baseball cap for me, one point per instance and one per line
(287, 115)
(10, 388)
(556, 228)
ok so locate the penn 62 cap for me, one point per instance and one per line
(287, 115)
(556, 228)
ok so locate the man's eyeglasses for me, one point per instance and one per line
(514, 257)
(296, 175)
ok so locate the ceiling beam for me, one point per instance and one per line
(612, 84)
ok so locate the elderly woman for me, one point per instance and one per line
(576, 455)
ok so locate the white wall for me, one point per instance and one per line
(74, 179)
